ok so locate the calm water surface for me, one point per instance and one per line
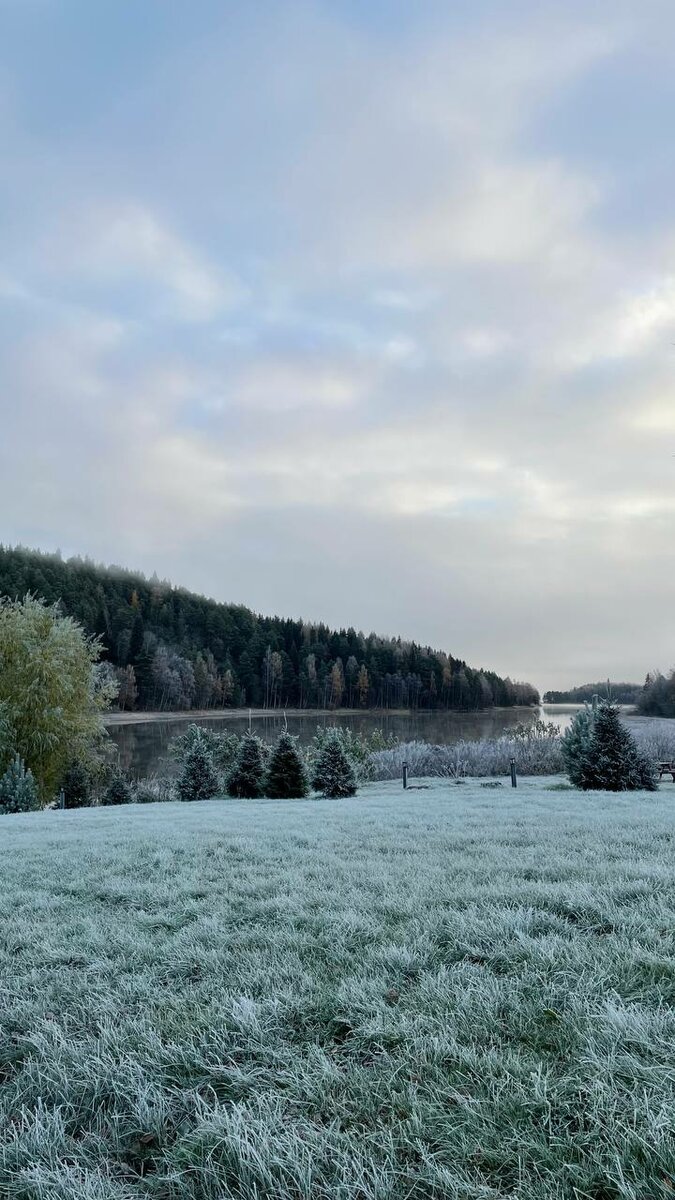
(143, 745)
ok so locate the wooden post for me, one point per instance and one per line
(62, 799)
(514, 777)
(405, 775)
(249, 720)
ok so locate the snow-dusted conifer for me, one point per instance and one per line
(198, 779)
(286, 776)
(614, 762)
(575, 744)
(76, 786)
(18, 790)
(118, 791)
(246, 779)
(334, 774)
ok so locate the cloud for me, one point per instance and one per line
(129, 243)
(343, 319)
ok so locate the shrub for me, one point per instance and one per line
(246, 779)
(536, 754)
(223, 747)
(198, 779)
(154, 789)
(118, 790)
(286, 775)
(334, 774)
(655, 737)
(76, 786)
(613, 761)
(18, 790)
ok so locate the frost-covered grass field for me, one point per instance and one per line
(455, 992)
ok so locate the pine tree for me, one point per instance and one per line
(614, 762)
(117, 791)
(286, 776)
(18, 790)
(575, 744)
(334, 775)
(198, 779)
(247, 776)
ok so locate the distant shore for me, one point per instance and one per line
(242, 714)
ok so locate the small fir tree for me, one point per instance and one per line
(286, 776)
(575, 744)
(18, 790)
(76, 786)
(246, 779)
(614, 762)
(198, 779)
(334, 774)
(118, 790)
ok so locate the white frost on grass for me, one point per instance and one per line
(455, 992)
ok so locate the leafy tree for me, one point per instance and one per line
(613, 761)
(118, 790)
(198, 779)
(575, 744)
(18, 791)
(51, 697)
(286, 775)
(246, 779)
(334, 774)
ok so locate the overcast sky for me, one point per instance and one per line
(361, 311)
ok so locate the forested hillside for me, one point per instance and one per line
(173, 650)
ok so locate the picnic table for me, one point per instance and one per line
(667, 768)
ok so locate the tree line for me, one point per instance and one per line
(170, 649)
(617, 693)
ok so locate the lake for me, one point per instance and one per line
(143, 744)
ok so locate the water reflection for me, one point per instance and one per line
(143, 746)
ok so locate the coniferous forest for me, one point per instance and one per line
(172, 650)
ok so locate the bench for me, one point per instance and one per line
(667, 768)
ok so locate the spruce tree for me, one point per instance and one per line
(18, 790)
(198, 779)
(575, 744)
(76, 786)
(286, 776)
(334, 775)
(614, 762)
(118, 790)
(247, 776)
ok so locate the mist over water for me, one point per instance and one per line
(143, 745)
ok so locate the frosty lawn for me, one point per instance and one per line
(456, 992)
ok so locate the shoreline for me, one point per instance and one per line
(113, 719)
